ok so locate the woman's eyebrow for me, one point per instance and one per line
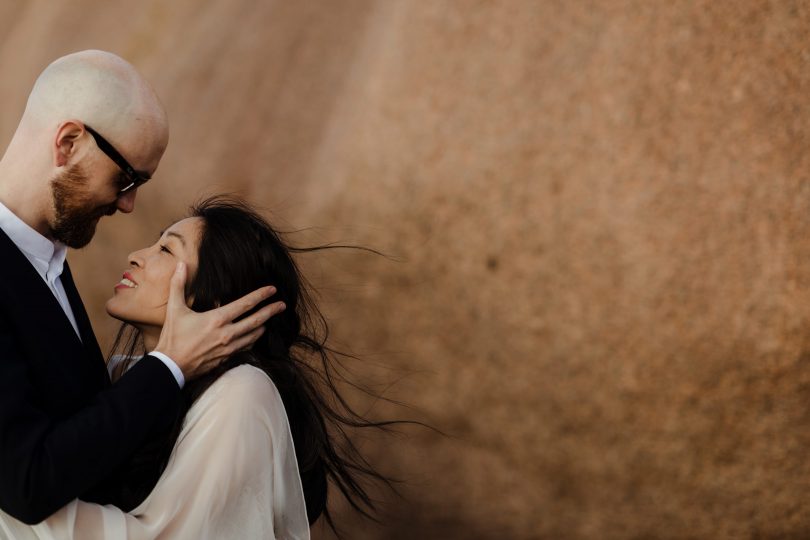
(177, 235)
(171, 233)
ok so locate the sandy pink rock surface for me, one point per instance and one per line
(601, 215)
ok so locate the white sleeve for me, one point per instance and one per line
(168, 362)
(173, 367)
(232, 474)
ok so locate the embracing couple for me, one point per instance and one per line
(212, 421)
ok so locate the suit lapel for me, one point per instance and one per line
(36, 297)
(82, 320)
(33, 305)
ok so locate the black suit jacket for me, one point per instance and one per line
(63, 427)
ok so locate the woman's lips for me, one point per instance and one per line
(126, 282)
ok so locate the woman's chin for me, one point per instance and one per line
(113, 310)
(125, 313)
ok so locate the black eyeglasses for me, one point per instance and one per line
(133, 177)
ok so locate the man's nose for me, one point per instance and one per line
(126, 201)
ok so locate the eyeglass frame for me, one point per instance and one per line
(135, 178)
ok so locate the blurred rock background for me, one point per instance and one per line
(597, 214)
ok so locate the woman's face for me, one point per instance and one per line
(142, 294)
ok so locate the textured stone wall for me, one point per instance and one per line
(598, 218)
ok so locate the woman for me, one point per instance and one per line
(256, 439)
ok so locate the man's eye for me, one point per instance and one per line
(123, 181)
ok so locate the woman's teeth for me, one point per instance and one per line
(128, 283)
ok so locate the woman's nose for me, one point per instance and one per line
(135, 259)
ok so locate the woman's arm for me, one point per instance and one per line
(232, 474)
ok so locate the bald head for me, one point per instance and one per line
(100, 89)
(93, 89)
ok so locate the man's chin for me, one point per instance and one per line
(76, 231)
(77, 241)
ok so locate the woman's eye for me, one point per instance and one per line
(164, 248)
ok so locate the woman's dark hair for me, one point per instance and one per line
(240, 252)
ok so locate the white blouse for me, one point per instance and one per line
(232, 474)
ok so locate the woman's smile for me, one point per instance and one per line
(126, 282)
(151, 269)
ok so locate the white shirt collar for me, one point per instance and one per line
(48, 257)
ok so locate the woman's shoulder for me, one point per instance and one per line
(242, 394)
(244, 378)
(244, 385)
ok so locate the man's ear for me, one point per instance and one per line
(64, 144)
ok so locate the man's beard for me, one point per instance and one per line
(75, 219)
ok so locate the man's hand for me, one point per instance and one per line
(198, 342)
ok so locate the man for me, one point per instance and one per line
(92, 132)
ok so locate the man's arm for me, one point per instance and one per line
(45, 464)
(238, 433)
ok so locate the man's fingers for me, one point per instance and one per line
(238, 307)
(177, 287)
(239, 344)
(258, 319)
(246, 341)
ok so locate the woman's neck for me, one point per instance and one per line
(151, 335)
